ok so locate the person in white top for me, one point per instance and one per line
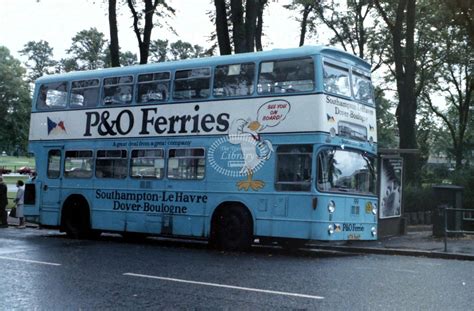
(19, 200)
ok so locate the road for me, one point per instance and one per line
(44, 270)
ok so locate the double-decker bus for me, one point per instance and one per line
(271, 146)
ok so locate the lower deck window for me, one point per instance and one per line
(78, 164)
(186, 163)
(293, 171)
(111, 164)
(147, 163)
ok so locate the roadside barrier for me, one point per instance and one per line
(467, 216)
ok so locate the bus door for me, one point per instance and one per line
(292, 205)
(49, 185)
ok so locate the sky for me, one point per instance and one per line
(57, 21)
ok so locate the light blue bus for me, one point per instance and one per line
(275, 146)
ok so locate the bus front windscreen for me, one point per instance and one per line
(346, 171)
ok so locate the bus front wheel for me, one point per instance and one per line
(233, 228)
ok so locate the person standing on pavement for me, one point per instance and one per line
(19, 200)
(3, 204)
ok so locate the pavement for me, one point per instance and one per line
(419, 241)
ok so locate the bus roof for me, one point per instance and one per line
(211, 61)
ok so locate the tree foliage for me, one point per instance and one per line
(14, 103)
(452, 78)
(88, 48)
(40, 59)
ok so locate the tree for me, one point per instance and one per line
(128, 58)
(307, 12)
(462, 13)
(40, 59)
(244, 21)
(88, 49)
(452, 77)
(386, 123)
(146, 13)
(159, 50)
(400, 18)
(185, 50)
(14, 103)
(114, 47)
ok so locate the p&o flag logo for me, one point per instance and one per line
(55, 128)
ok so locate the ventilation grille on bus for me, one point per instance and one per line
(145, 184)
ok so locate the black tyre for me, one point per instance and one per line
(76, 222)
(233, 228)
(292, 244)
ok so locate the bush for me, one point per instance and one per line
(417, 198)
(465, 178)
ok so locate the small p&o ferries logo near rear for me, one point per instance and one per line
(55, 128)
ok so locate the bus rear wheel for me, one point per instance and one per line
(76, 221)
(233, 228)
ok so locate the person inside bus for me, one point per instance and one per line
(3, 204)
(19, 200)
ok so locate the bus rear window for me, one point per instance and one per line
(193, 83)
(84, 93)
(52, 96)
(153, 87)
(186, 163)
(118, 90)
(286, 76)
(234, 80)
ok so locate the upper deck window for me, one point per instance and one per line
(234, 80)
(362, 87)
(336, 80)
(285, 76)
(153, 87)
(85, 93)
(118, 90)
(192, 83)
(52, 96)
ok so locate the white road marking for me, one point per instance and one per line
(31, 261)
(224, 286)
